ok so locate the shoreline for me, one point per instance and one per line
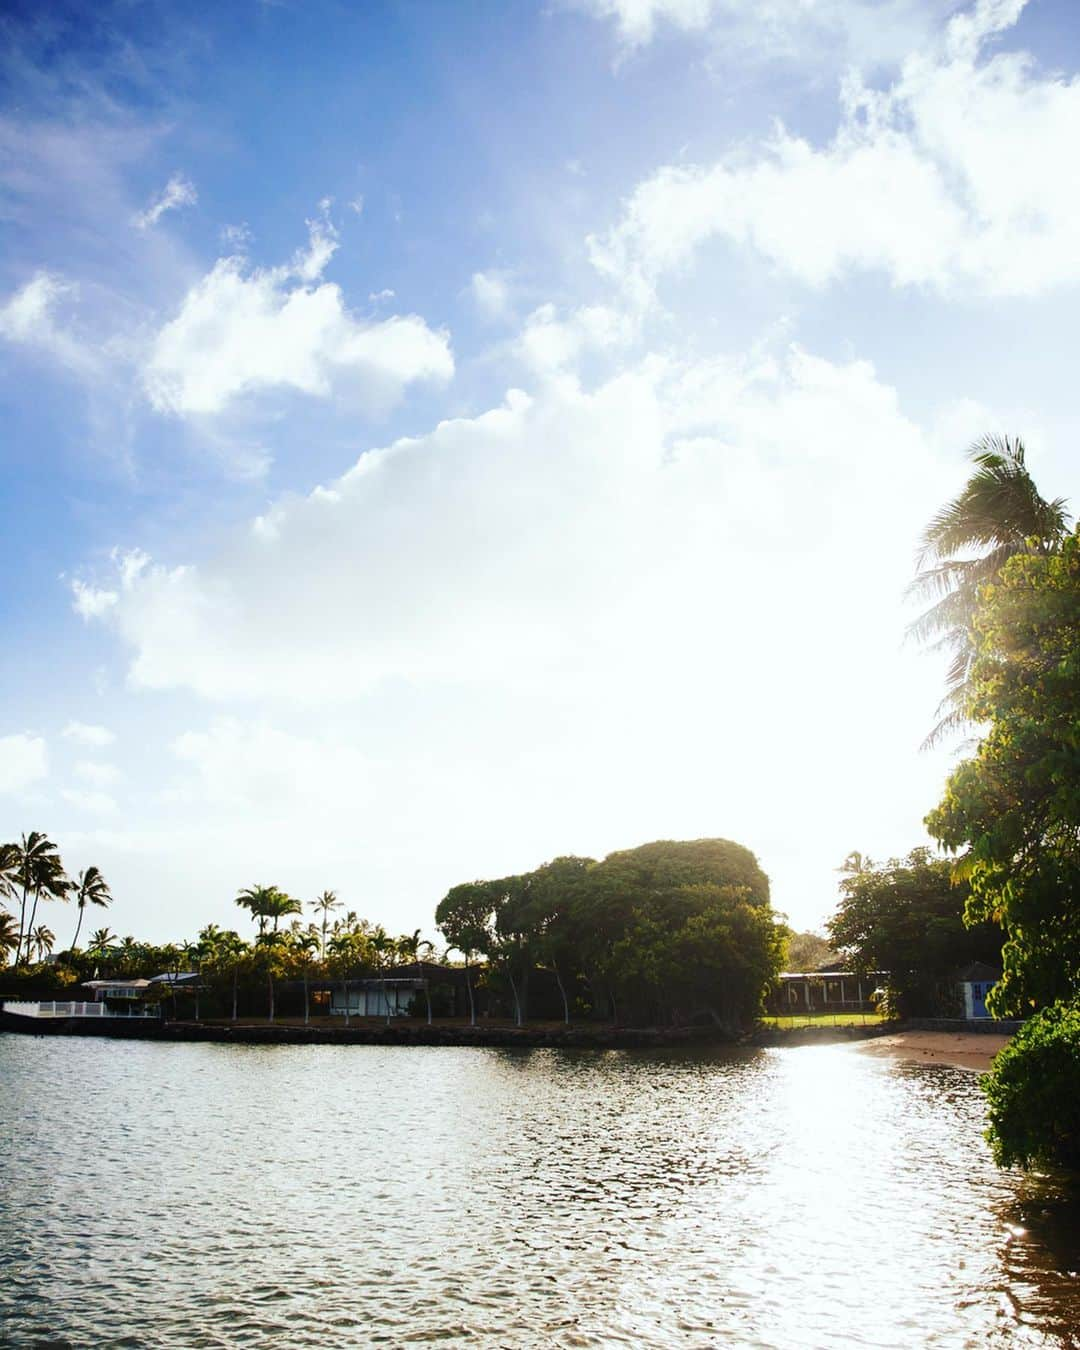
(973, 1050)
(960, 1048)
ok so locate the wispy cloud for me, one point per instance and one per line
(178, 191)
(89, 734)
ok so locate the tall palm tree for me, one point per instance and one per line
(997, 514)
(227, 952)
(90, 889)
(324, 904)
(38, 868)
(305, 945)
(268, 902)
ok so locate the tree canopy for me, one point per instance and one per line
(662, 933)
(907, 917)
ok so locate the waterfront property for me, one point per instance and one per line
(375, 998)
(825, 991)
(126, 997)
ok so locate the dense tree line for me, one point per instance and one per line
(1011, 811)
(665, 933)
(906, 919)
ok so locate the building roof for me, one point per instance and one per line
(978, 972)
(115, 984)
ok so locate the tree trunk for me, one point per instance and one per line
(472, 1004)
(198, 1004)
(235, 981)
(562, 990)
(307, 1012)
(22, 923)
(427, 996)
(270, 982)
(78, 926)
(345, 991)
(517, 1001)
(33, 916)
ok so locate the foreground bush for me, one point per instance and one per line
(1034, 1092)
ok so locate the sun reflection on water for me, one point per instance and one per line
(364, 1196)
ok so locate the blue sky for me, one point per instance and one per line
(441, 437)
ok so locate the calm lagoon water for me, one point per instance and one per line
(205, 1195)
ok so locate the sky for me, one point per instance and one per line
(438, 438)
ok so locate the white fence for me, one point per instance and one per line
(67, 1008)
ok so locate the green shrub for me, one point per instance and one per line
(1034, 1092)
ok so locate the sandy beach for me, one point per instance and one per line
(964, 1049)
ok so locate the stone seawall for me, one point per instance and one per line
(254, 1033)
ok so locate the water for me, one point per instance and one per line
(205, 1195)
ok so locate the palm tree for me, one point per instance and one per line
(997, 514)
(414, 948)
(101, 941)
(343, 952)
(90, 889)
(9, 936)
(38, 868)
(324, 904)
(41, 940)
(268, 902)
(304, 945)
(9, 870)
(269, 948)
(226, 953)
(383, 949)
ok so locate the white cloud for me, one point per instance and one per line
(24, 761)
(91, 602)
(955, 177)
(93, 802)
(97, 773)
(490, 293)
(549, 344)
(511, 546)
(637, 20)
(242, 331)
(178, 191)
(814, 35)
(85, 733)
(260, 769)
(29, 317)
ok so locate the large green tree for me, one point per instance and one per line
(668, 932)
(906, 918)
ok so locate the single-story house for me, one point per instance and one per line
(827, 990)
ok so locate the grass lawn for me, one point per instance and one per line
(840, 1019)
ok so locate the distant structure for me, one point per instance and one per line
(974, 982)
(832, 989)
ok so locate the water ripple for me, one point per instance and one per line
(221, 1196)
